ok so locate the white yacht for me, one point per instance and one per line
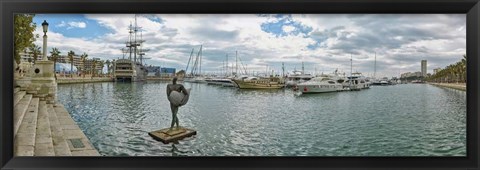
(357, 81)
(226, 82)
(297, 77)
(322, 84)
(384, 81)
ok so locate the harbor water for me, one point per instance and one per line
(399, 120)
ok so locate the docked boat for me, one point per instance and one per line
(260, 83)
(357, 81)
(322, 84)
(296, 78)
(225, 82)
(126, 71)
(200, 79)
(131, 69)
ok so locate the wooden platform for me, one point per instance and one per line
(166, 136)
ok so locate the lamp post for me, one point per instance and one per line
(45, 29)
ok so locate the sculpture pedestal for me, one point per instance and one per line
(166, 136)
(43, 83)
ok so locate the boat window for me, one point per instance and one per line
(331, 82)
(340, 81)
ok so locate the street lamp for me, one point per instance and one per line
(45, 29)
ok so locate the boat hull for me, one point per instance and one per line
(257, 85)
(319, 88)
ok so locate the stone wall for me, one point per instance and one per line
(83, 80)
(39, 81)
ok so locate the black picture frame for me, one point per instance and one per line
(469, 7)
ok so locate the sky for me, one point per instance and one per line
(323, 42)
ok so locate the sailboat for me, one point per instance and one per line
(131, 69)
(195, 75)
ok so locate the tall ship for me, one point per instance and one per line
(131, 67)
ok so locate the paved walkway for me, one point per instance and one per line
(458, 86)
(43, 129)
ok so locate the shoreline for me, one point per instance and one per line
(457, 86)
(83, 80)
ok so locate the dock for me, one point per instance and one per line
(43, 129)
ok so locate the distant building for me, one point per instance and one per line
(424, 68)
(64, 59)
(410, 74)
(89, 65)
(167, 72)
(153, 71)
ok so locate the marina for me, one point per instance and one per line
(380, 121)
(258, 104)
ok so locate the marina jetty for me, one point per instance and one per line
(458, 86)
(42, 126)
(69, 80)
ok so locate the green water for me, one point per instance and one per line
(400, 120)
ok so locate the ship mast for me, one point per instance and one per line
(141, 51)
(129, 43)
(190, 58)
(226, 64)
(236, 63)
(375, 67)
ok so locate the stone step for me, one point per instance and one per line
(43, 138)
(77, 141)
(18, 96)
(19, 112)
(60, 145)
(16, 89)
(25, 138)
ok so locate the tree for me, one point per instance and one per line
(108, 66)
(23, 34)
(94, 64)
(84, 58)
(34, 51)
(70, 58)
(55, 54)
(101, 64)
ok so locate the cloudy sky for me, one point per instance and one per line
(324, 42)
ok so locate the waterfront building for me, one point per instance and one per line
(410, 74)
(89, 65)
(167, 72)
(153, 71)
(424, 68)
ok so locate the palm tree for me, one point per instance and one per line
(83, 57)
(94, 64)
(35, 51)
(70, 58)
(55, 54)
(108, 66)
(101, 64)
(464, 68)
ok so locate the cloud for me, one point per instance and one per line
(72, 24)
(322, 41)
(288, 28)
